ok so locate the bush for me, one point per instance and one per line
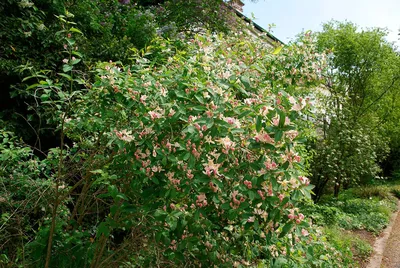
(323, 215)
(190, 162)
(369, 214)
(382, 192)
(395, 190)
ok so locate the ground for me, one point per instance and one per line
(391, 255)
(387, 246)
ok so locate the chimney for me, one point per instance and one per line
(237, 4)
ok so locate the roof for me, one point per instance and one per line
(256, 26)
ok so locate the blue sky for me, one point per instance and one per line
(293, 16)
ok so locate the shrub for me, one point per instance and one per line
(369, 214)
(191, 162)
(201, 147)
(362, 249)
(382, 192)
(395, 190)
(323, 215)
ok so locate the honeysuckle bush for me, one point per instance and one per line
(195, 161)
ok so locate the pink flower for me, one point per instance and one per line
(304, 180)
(304, 232)
(124, 135)
(189, 174)
(291, 134)
(251, 219)
(265, 110)
(143, 99)
(236, 202)
(261, 194)
(201, 200)
(154, 115)
(297, 107)
(211, 168)
(300, 217)
(171, 112)
(270, 165)
(229, 120)
(275, 121)
(294, 182)
(213, 187)
(232, 121)
(263, 138)
(248, 184)
(227, 144)
(164, 91)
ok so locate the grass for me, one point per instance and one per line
(348, 243)
(364, 210)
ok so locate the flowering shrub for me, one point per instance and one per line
(203, 147)
(194, 161)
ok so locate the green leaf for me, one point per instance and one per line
(44, 97)
(160, 214)
(74, 30)
(97, 171)
(75, 61)
(70, 41)
(172, 222)
(286, 229)
(306, 193)
(158, 236)
(277, 50)
(245, 113)
(251, 195)
(245, 81)
(282, 118)
(76, 53)
(112, 189)
(310, 252)
(66, 76)
(278, 135)
(103, 229)
(121, 196)
(67, 68)
(258, 123)
(225, 206)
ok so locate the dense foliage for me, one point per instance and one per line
(359, 106)
(141, 134)
(190, 161)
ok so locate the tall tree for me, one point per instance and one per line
(363, 83)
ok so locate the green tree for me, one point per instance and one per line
(363, 83)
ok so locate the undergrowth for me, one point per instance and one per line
(366, 208)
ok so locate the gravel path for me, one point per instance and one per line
(387, 246)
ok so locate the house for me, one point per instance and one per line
(254, 29)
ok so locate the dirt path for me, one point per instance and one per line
(387, 246)
(391, 256)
